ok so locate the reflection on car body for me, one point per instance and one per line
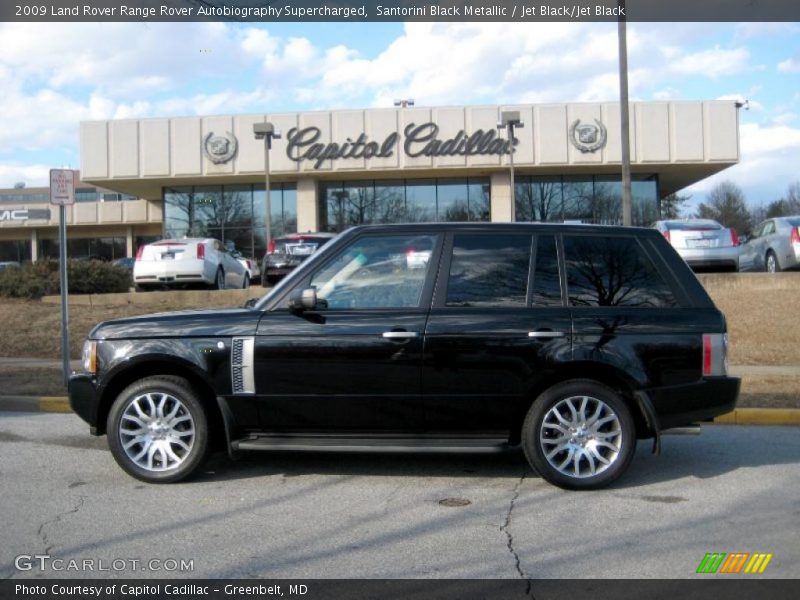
(571, 342)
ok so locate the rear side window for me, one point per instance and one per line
(613, 271)
(489, 270)
(546, 284)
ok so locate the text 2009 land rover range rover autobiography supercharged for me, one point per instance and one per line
(569, 341)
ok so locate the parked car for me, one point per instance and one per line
(126, 263)
(570, 342)
(8, 264)
(171, 263)
(287, 252)
(702, 243)
(772, 246)
(250, 265)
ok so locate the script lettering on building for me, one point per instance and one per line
(420, 140)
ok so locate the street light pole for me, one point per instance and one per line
(624, 121)
(267, 132)
(509, 119)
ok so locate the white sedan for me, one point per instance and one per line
(187, 261)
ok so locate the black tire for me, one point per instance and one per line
(585, 442)
(219, 280)
(771, 263)
(165, 393)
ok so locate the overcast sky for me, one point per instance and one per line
(52, 76)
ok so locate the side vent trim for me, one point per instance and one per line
(242, 379)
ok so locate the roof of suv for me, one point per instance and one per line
(483, 226)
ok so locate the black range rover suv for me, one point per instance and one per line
(570, 341)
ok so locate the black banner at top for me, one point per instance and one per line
(399, 10)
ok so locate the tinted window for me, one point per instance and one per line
(489, 270)
(608, 271)
(546, 285)
(376, 272)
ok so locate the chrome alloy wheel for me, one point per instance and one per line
(581, 436)
(156, 431)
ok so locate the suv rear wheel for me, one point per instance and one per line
(579, 435)
(158, 430)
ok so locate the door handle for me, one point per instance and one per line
(546, 334)
(399, 335)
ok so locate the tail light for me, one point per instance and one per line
(201, 250)
(715, 354)
(734, 237)
(795, 239)
(139, 252)
(249, 264)
(271, 247)
(666, 235)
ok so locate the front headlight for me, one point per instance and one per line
(89, 356)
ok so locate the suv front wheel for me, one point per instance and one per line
(579, 435)
(158, 430)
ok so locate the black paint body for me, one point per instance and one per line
(471, 370)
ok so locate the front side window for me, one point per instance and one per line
(613, 271)
(489, 270)
(376, 272)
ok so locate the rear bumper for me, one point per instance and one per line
(169, 272)
(711, 257)
(83, 398)
(682, 405)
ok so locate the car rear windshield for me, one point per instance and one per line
(692, 225)
(794, 222)
(299, 245)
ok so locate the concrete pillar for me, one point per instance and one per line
(34, 245)
(307, 205)
(502, 211)
(129, 242)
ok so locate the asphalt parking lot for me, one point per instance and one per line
(732, 489)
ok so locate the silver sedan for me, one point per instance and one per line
(773, 246)
(702, 243)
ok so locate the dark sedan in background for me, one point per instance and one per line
(287, 252)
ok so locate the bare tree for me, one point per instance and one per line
(725, 203)
(786, 206)
(672, 205)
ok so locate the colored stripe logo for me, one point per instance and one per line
(734, 563)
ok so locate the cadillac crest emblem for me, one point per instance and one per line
(220, 148)
(587, 137)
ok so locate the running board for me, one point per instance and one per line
(345, 443)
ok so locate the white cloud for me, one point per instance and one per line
(790, 65)
(769, 158)
(30, 175)
(714, 62)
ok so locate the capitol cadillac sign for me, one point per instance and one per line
(417, 140)
(24, 214)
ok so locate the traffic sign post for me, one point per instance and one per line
(62, 193)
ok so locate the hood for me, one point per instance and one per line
(186, 323)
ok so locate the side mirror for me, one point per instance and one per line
(300, 300)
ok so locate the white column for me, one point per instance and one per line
(129, 242)
(34, 246)
(307, 205)
(502, 211)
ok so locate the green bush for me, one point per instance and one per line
(34, 280)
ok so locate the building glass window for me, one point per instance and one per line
(230, 213)
(15, 251)
(589, 199)
(106, 248)
(345, 204)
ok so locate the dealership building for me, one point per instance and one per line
(143, 179)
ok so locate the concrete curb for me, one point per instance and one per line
(53, 404)
(740, 416)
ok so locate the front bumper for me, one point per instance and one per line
(682, 405)
(84, 399)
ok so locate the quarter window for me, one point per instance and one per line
(489, 270)
(376, 272)
(612, 271)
